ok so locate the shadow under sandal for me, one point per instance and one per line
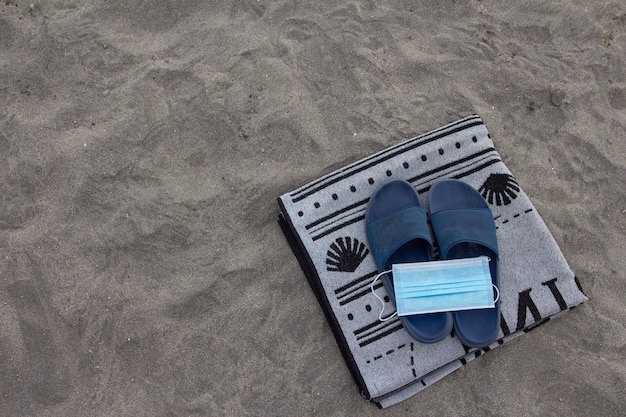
(464, 228)
(397, 229)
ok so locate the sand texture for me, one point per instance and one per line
(143, 145)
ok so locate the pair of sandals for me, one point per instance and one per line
(398, 232)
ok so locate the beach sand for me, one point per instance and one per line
(143, 145)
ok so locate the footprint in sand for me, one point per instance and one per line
(42, 373)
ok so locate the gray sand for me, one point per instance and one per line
(143, 145)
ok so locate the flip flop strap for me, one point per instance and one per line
(455, 226)
(389, 233)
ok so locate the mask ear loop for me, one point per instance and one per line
(496, 288)
(382, 302)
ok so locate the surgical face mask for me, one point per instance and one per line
(438, 286)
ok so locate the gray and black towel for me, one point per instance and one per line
(324, 222)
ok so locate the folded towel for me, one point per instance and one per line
(324, 222)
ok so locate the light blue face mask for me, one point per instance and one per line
(438, 286)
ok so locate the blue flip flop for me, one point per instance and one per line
(397, 229)
(464, 228)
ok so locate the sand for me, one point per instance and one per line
(143, 145)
